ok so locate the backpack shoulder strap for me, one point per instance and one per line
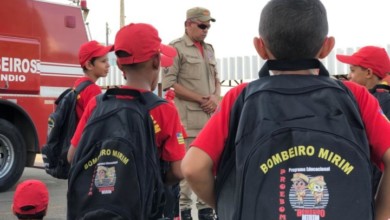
(380, 86)
(226, 166)
(149, 99)
(122, 92)
(82, 86)
(62, 95)
(235, 113)
(78, 89)
(152, 100)
(356, 109)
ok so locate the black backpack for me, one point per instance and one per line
(62, 124)
(297, 149)
(116, 172)
(383, 98)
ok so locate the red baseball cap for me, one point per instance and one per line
(31, 197)
(375, 58)
(141, 42)
(92, 49)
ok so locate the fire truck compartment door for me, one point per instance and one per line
(19, 65)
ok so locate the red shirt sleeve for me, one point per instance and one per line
(86, 95)
(168, 130)
(212, 137)
(376, 123)
(83, 121)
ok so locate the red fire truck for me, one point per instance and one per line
(39, 44)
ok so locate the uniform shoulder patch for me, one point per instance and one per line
(165, 70)
(210, 46)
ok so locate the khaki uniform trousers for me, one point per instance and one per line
(186, 192)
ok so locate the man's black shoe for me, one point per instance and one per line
(206, 214)
(186, 214)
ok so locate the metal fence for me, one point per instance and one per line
(240, 68)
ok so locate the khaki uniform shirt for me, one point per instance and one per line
(195, 73)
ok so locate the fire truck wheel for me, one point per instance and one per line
(12, 155)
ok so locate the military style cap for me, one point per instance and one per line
(202, 14)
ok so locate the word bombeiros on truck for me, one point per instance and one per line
(39, 43)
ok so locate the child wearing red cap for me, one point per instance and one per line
(94, 61)
(139, 55)
(31, 200)
(369, 66)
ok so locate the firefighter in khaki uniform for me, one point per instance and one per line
(195, 79)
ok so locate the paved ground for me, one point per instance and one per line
(57, 190)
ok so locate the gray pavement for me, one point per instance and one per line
(57, 189)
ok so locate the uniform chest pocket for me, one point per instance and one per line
(192, 68)
(213, 67)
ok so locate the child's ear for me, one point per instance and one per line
(119, 65)
(261, 49)
(327, 47)
(121, 68)
(370, 73)
(89, 65)
(156, 61)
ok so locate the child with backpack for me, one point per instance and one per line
(122, 136)
(294, 144)
(70, 106)
(368, 67)
(94, 61)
